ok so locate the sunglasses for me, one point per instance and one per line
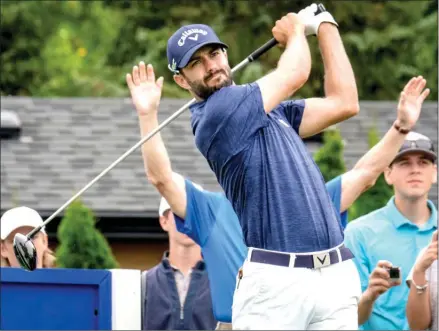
(420, 143)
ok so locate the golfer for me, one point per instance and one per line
(208, 218)
(252, 141)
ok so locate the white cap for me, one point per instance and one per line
(164, 205)
(17, 217)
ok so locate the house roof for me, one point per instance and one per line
(66, 142)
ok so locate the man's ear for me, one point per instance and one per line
(387, 176)
(45, 240)
(164, 222)
(435, 174)
(181, 81)
(3, 250)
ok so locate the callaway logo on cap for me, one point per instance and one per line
(188, 33)
(186, 41)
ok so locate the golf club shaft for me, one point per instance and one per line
(252, 57)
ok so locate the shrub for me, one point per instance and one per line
(329, 157)
(82, 246)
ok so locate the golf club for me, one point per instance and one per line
(24, 248)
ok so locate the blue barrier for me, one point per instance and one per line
(56, 299)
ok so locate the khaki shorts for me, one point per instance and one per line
(224, 326)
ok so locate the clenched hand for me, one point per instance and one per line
(379, 281)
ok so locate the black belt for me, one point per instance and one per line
(311, 261)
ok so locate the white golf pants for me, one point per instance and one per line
(269, 297)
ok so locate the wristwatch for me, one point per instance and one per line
(420, 289)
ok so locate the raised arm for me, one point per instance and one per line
(294, 64)
(341, 96)
(418, 309)
(146, 92)
(375, 161)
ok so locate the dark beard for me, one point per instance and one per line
(203, 91)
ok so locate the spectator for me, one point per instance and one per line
(398, 231)
(177, 289)
(422, 309)
(23, 220)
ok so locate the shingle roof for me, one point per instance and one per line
(66, 142)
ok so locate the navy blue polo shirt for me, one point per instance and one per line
(211, 222)
(265, 170)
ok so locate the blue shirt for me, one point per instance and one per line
(266, 171)
(212, 223)
(386, 234)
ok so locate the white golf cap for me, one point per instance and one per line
(164, 205)
(17, 217)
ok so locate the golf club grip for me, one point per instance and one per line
(261, 50)
(273, 42)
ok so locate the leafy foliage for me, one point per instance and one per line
(329, 157)
(54, 48)
(82, 246)
(80, 48)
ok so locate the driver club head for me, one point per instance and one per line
(25, 252)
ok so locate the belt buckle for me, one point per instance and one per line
(321, 260)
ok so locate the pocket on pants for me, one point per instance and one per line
(353, 284)
(248, 288)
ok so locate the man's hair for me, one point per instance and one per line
(166, 212)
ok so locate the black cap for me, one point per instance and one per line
(416, 142)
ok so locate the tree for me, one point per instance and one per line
(85, 48)
(82, 246)
(378, 195)
(329, 157)
(59, 48)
